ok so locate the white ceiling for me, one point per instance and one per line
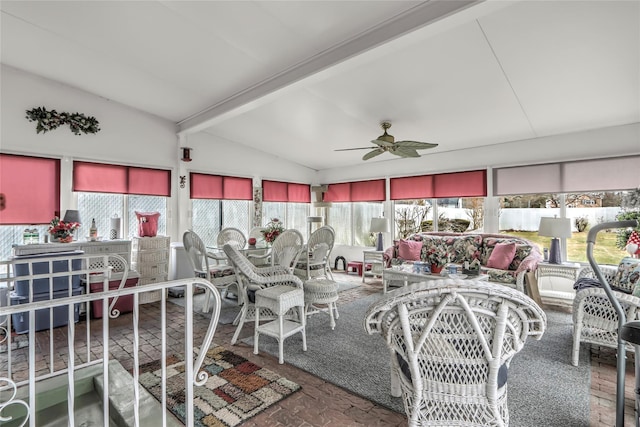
(299, 79)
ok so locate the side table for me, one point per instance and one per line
(376, 260)
(559, 290)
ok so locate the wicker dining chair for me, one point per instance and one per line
(315, 260)
(221, 276)
(284, 252)
(451, 343)
(251, 279)
(231, 236)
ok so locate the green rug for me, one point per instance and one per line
(235, 391)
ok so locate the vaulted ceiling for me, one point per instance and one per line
(300, 79)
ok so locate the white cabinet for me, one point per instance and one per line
(150, 258)
(100, 249)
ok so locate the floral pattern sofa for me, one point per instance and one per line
(463, 247)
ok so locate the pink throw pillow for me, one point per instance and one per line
(147, 223)
(409, 250)
(502, 255)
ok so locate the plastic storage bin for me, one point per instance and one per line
(39, 286)
(124, 303)
(20, 321)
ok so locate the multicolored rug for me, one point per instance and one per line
(235, 391)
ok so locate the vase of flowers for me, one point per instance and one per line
(438, 256)
(61, 231)
(273, 229)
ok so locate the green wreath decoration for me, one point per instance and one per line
(50, 120)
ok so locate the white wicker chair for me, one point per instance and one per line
(594, 319)
(256, 233)
(231, 236)
(315, 259)
(285, 250)
(221, 276)
(451, 343)
(252, 278)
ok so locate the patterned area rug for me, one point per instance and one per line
(235, 391)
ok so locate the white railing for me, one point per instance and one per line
(26, 360)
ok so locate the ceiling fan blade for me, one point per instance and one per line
(382, 143)
(405, 152)
(373, 153)
(350, 149)
(416, 145)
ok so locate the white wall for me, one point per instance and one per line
(127, 136)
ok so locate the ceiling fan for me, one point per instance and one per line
(386, 143)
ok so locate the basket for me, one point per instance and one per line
(151, 256)
(149, 270)
(158, 242)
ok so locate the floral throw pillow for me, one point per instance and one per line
(624, 277)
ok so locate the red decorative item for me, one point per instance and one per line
(147, 223)
(633, 244)
(436, 269)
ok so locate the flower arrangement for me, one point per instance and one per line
(62, 231)
(273, 229)
(438, 255)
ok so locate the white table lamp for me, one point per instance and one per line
(556, 228)
(379, 225)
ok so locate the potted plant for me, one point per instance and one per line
(61, 231)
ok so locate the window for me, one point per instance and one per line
(31, 186)
(106, 190)
(104, 206)
(351, 221)
(218, 202)
(455, 200)
(587, 191)
(289, 202)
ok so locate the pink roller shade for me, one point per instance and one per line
(99, 178)
(149, 182)
(411, 187)
(206, 186)
(299, 193)
(31, 186)
(237, 188)
(461, 184)
(338, 192)
(368, 191)
(275, 191)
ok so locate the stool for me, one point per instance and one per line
(355, 265)
(321, 291)
(280, 299)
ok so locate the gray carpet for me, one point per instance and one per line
(230, 308)
(544, 388)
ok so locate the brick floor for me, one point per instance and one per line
(319, 403)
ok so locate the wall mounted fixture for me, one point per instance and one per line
(186, 154)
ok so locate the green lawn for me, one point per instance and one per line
(604, 251)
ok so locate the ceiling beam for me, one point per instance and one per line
(424, 14)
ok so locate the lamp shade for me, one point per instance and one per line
(72, 215)
(555, 227)
(379, 225)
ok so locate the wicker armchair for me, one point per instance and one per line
(285, 250)
(221, 276)
(251, 279)
(594, 319)
(315, 261)
(451, 343)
